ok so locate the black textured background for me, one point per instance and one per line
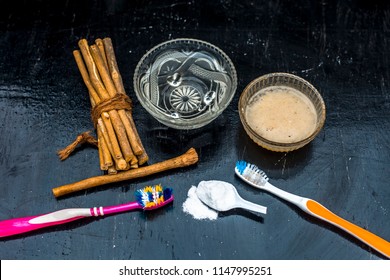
(341, 47)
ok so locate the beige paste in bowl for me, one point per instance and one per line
(281, 114)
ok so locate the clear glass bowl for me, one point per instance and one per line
(282, 80)
(185, 83)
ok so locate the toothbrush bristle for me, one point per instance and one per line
(251, 172)
(153, 196)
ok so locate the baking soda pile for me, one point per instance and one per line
(196, 208)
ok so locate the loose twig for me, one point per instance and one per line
(186, 159)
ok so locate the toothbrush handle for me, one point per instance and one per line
(26, 224)
(379, 244)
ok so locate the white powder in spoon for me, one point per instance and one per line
(219, 195)
(197, 208)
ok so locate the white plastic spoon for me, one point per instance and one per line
(223, 196)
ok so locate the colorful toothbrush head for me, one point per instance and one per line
(251, 173)
(154, 197)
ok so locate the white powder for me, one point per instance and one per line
(218, 195)
(197, 208)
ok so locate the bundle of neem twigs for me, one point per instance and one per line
(119, 145)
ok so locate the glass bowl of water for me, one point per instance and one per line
(185, 83)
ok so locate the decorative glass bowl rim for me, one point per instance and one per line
(178, 123)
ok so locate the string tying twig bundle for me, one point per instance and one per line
(118, 102)
(82, 138)
(119, 144)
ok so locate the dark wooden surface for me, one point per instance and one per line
(341, 47)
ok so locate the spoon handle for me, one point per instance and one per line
(252, 206)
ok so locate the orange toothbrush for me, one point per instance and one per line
(257, 178)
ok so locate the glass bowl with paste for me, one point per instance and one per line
(281, 112)
(185, 83)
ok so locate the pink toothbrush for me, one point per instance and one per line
(148, 198)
